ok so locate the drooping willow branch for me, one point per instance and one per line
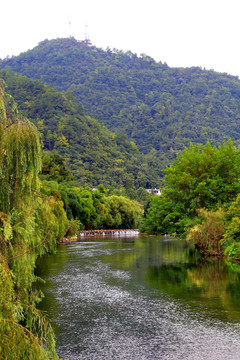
(12, 123)
(21, 327)
(27, 251)
(25, 331)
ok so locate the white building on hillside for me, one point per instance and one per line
(154, 191)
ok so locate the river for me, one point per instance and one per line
(141, 298)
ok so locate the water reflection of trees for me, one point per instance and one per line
(211, 283)
(169, 267)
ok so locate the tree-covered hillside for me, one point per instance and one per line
(94, 154)
(157, 106)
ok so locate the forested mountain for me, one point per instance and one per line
(158, 107)
(94, 154)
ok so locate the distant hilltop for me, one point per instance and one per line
(161, 109)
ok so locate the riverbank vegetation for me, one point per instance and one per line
(201, 199)
(30, 225)
(95, 209)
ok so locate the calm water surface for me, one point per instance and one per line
(141, 298)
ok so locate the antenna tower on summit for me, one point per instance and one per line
(87, 38)
(70, 28)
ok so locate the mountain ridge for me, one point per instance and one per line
(161, 109)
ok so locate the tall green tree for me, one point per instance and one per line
(201, 177)
(123, 213)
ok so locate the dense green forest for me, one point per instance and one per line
(94, 154)
(158, 107)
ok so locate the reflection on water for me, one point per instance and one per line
(141, 298)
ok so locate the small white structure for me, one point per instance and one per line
(154, 191)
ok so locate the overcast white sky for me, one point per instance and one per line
(179, 32)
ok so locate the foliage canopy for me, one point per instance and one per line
(201, 177)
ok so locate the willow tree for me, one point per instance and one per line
(30, 223)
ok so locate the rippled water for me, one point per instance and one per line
(141, 298)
